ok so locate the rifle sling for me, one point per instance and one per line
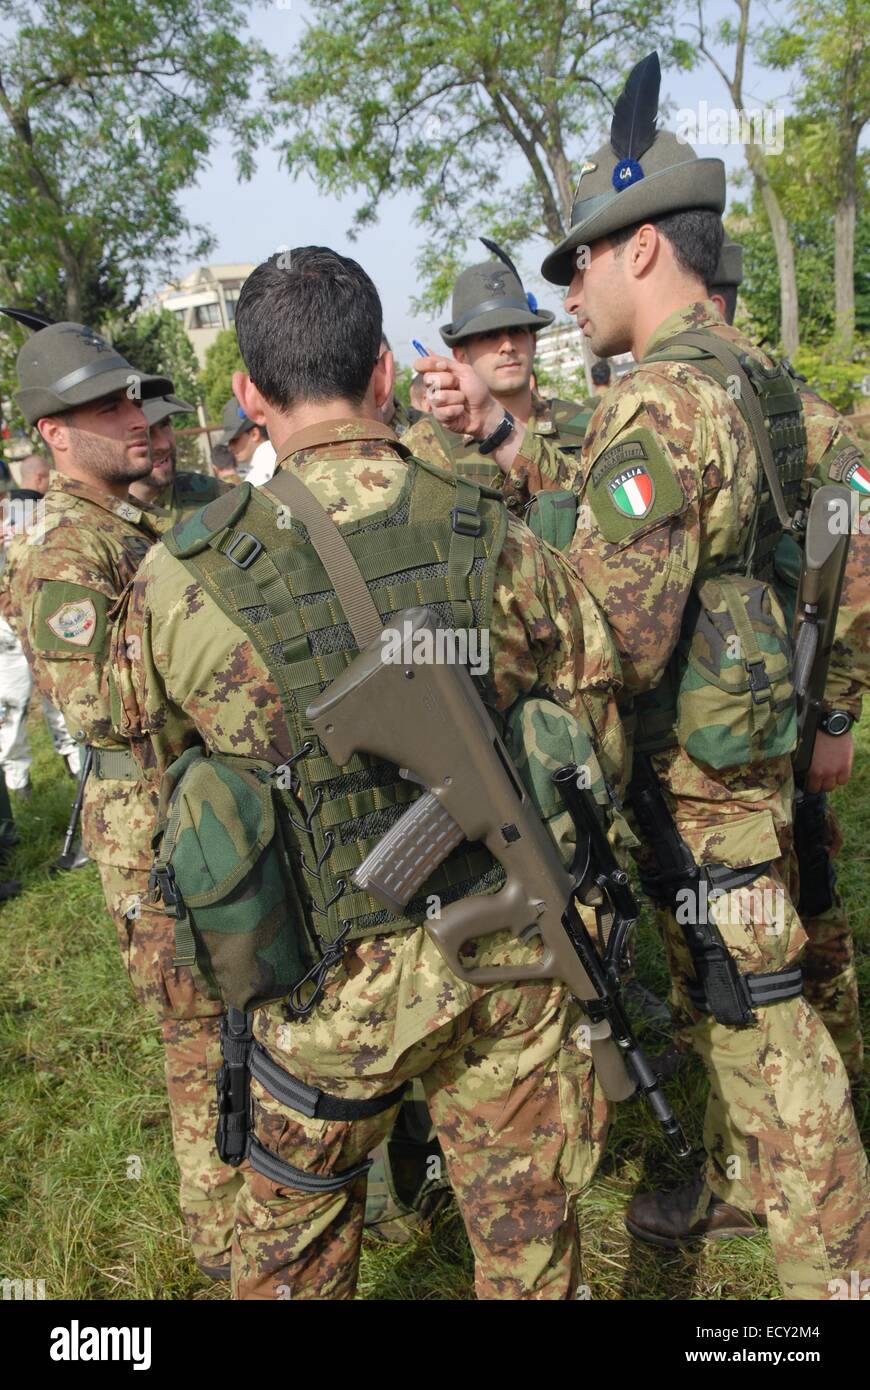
(334, 553)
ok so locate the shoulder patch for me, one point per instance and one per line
(69, 618)
(633, 486)
(850, 467)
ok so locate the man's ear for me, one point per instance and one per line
(249, 398)
(459, 353)
(719, 301)
(384, 378)
(641, 251)
(55, 432)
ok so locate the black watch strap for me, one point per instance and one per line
(836, 722)
(499, 434)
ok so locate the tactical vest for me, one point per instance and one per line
(436, 546)
(694, 705)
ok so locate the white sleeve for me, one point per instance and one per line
(262, 465)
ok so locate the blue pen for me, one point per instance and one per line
(419, 349)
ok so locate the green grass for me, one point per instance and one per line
(81, 1091)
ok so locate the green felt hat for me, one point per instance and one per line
(490, 296)
(161, 407)
(641, 172)
(67, 364)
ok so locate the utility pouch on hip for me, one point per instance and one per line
(735, 699)
(223, 870)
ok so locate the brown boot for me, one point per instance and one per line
(668, 1218)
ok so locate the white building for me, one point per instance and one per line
(559, 353)
(205, 302)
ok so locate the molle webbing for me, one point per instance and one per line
(437, 547)
(771, 405)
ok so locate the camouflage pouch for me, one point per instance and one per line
(223, 868)
(735, 699)
(541, 737)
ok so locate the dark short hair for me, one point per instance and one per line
(600, 372)
(696, 235)
(308, 323)
(729, 294)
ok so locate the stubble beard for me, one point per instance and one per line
(106, 459)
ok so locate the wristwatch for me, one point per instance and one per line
(505, 427)
(836, 722)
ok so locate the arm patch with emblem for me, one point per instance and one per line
(69, 620)
(632, 486)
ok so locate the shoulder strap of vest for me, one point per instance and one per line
(334, 552)
(193, 533)
(716, 347)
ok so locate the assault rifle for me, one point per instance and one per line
(430, 719)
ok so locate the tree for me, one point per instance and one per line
(829, 45)
(106, 112)
(155, 342)
(738, 37)
(215, 383)
(483, 108)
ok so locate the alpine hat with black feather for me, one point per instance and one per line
(641, 172)
(62, 365)
(490, 296)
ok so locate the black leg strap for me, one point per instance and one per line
(308, 1100)
(263, 1161)
(772, 988)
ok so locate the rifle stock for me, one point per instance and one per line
(430, 719)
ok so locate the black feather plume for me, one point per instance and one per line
(633, 128)
(28, 318)
(496, 250)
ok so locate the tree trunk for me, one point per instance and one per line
(788, 296)
(844, 275)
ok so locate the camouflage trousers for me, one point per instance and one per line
(521, 1122)
(190, 1028)
(830, 979)
(779, 1130)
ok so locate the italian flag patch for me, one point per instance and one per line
(858, 477)
(632, 491)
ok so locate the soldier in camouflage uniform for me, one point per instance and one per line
(830, 979)
(509, 1083)
(493, 329)
(669, 487)
(58, 589)
(169, 494)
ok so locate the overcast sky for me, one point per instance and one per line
(253, 219)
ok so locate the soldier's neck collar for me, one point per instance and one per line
(341, 430)
(128, 510)
(701, 314)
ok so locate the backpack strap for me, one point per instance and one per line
(713, 346)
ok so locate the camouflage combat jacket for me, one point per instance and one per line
(194, 675)
(562, 424)
(62, 577)
(186, 493)
(693, 443)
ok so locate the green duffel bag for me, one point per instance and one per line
(735, 700)
(223, 869)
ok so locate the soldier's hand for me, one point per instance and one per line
(832, 762)
(460, 400)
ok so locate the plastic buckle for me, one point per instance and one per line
(466, 528)
(759, 681)
(238, 539)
